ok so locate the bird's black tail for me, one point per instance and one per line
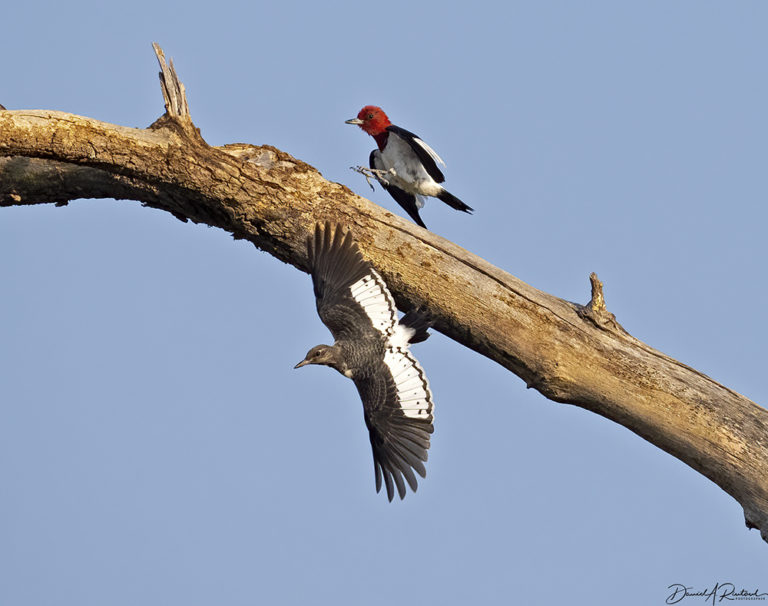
(454, 202)
(419, 321)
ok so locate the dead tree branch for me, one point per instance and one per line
(569, 352)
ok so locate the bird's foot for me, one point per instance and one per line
(374, 173)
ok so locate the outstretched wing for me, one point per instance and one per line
(398, 413)
(428, 156)
(352, 299)
(409, 202)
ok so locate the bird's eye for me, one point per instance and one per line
(370, 116)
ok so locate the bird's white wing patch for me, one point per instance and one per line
(413, 394)
(401, 336)
(429, 150)
(373, 296)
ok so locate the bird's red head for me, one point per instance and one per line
(372, 120)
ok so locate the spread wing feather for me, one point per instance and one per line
(352, 299)
(398, 414)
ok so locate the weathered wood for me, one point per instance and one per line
(569, 352)
(174, 94)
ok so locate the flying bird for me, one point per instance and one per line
(404, 165)
(371, 348)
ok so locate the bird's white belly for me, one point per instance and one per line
(409, 174)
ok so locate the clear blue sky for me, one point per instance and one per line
(156, 445)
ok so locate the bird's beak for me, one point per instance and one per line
(302, 363)
(357, 121)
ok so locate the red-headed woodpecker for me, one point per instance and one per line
(404, 165)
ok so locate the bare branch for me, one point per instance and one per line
(571, 353)
(174, 94)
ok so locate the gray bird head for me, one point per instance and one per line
(320, 354)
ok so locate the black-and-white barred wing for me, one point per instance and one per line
(398, 412)
(352, 298)
(412, 393)
(373, 296)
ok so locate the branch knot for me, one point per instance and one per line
(596, 312)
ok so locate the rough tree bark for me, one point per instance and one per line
(571, 353)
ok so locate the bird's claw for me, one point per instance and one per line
(373, 173)
(366, 172)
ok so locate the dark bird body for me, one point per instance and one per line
(371, 348)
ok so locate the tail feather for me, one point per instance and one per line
(419, 321)
(454, 202)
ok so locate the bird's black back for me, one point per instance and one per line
(424, 156)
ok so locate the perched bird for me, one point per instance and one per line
(371, 348)
(404, 165)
